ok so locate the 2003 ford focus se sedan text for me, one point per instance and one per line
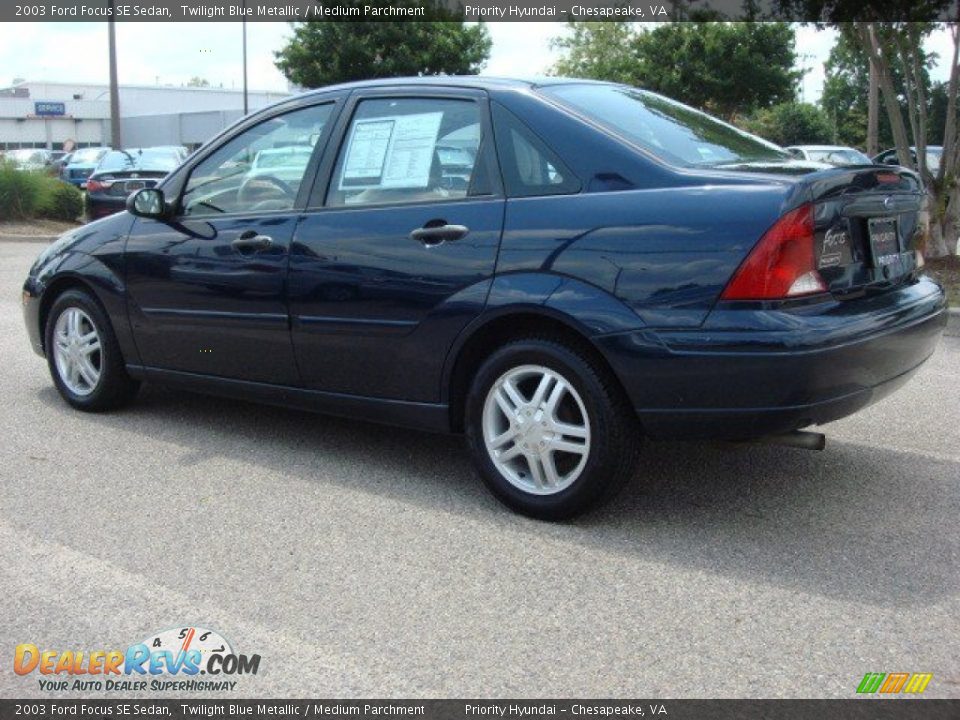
(554, 268)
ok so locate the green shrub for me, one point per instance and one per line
(20, 192)
(25, 195)
(59, 200)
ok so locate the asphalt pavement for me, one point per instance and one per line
(360, 560)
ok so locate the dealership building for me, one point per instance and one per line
(46, 114)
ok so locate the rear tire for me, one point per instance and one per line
(549, 430)
(84, 356)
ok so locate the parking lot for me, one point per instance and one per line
(361, 560)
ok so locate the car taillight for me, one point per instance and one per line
(782, 265)
(97, 186)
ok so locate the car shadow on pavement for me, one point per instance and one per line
(854, 522)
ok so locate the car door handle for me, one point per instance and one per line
(252, 241)
(438, 231)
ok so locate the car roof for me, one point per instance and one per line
(458, 81)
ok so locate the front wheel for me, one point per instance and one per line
(549, 431)
(84, 356)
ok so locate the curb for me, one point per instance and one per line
(953, 322)
(28, 238)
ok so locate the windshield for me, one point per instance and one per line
(676, 133)
(87, 156)
(116, 160)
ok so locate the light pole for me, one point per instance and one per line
(245, 108)
(115, 140)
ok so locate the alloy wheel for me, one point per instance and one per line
(536, 429)
(77, 351)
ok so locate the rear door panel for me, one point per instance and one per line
(373, 311)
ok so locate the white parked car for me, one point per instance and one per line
(832, 154)
(29, 158)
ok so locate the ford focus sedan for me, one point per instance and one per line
(556, 270)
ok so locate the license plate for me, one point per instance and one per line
(135, 185)
(884, 241)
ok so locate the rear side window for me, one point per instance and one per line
(676, 133)
(529, 166)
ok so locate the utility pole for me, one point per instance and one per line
(115, 141)
(245, 106)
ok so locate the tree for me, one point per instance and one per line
(895, 44)
(846, 95)
(790, 123)
(598, 50)
(197, 81)
(724, 68)
(322, 53)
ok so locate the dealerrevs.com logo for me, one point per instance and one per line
(168, 660)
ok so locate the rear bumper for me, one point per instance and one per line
(748, 373)
(98, 206)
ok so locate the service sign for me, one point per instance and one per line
(49, 109)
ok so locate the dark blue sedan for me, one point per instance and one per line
(556, 269)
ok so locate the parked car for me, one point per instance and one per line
(831, 154)
(83, 162)
(59, 164)
(121, 172)
(58, 159)
(889, 157)
(180, 151)
(618, 266)
(29, 158)
(285, 163)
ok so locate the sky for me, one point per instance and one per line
(172, 53)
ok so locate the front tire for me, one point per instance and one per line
(549, 430)
(84, 356)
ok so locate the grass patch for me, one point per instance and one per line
(946, 271)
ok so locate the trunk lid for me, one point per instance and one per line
(869, 224)
(869, 221)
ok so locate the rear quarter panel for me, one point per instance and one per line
(666, 253)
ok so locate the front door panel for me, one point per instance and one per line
(201, 304)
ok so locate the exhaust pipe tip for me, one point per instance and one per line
(803, 439)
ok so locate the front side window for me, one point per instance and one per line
(405, 150)
(260, 170)
(674, 132)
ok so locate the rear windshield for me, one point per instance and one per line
(120, 160)
(673, 132)
(88, 155)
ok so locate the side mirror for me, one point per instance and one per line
(147, 203)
